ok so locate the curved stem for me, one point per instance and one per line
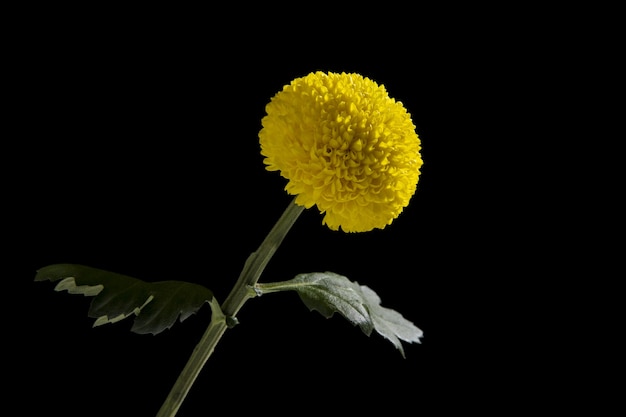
(241, 292)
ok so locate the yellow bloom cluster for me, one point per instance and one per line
(345, 146)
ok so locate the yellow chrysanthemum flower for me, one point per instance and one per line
(345, 146)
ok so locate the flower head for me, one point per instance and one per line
(345, 146)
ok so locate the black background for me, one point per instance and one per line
(136, 151)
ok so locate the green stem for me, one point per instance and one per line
(241, 292)
(270, 287)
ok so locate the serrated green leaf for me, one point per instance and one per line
(328, 292)
(389, 323)
(156, 305)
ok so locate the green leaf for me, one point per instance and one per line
(389, 323)
(156, 305)
(327, 293)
